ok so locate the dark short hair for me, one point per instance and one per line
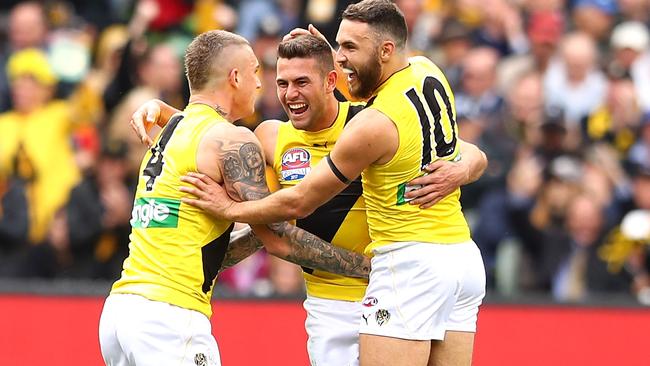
(203, 54)
(308, 46)
(383, 16)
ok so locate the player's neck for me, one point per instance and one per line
(330, 114)
(217, 102)
(395, 64)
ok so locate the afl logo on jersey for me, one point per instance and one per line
(296, 163)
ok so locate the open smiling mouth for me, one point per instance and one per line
(298, 108)
(350, 73)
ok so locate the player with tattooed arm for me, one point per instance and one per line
(305, 84)
(428, 279)
(158, 311)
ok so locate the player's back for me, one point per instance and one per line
(176, 249)
(419, 101)
(342, 220)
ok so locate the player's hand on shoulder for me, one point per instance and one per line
(443, 178)
(143, 119)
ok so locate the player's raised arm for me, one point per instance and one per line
(152, 112)
(242, 167)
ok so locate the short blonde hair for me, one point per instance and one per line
(205, 52)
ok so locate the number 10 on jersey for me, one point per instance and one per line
(445, 145)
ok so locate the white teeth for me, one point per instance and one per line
(348, 71)
(297, 106)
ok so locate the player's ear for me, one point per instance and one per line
(330, 81)
(386, 51)
(233, 77)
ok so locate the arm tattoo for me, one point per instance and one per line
(310, 251)
(243, 171)
(242, 245)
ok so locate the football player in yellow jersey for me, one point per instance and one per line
(427, 279)
(158, 311)
(305, 84)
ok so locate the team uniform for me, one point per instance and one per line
(427, 274)
(332, 303)
(158, 311)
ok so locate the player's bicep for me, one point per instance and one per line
(370, 137)
(243, 167)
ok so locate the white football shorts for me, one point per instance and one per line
(135, 331)
(419, 291)
(333, 330)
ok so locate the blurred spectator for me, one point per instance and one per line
(502, 28)
(617, 120)
(478, 102)
(88, 95)
(573, 83)
(595, 18)
(489, 195)
(571, 258)
(631, 58)
(638, 10)
(98, 214)
(161, 71)
(35, 139)
(640, 152)
(119, 129)
(545, 29)
(27, 29)
(455, 42)
(421, 24)
(155, 66)
(537, 199)
(14, 220)
(283, 15)
(629, 41)
(626, 247)
(525, 112)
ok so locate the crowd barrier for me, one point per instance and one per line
(62, 330)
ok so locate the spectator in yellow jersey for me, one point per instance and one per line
(427, 280)
(35, 139)
(305, 86)
(158, 311)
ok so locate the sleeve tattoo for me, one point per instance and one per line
(243, 169)
(243, 243)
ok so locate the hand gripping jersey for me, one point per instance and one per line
(176, 249)
(419, 101)
(342, 220)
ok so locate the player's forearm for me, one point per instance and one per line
(307, 250)
(243, 244)
(261, 208)
(474, 159)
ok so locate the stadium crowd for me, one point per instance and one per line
(556, 92)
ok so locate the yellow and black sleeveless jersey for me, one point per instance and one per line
(342, 220)
(419, 101)
(176, 249)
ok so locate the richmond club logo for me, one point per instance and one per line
(296, 163)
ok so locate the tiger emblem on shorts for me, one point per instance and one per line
(200, 359)
(382, 316)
